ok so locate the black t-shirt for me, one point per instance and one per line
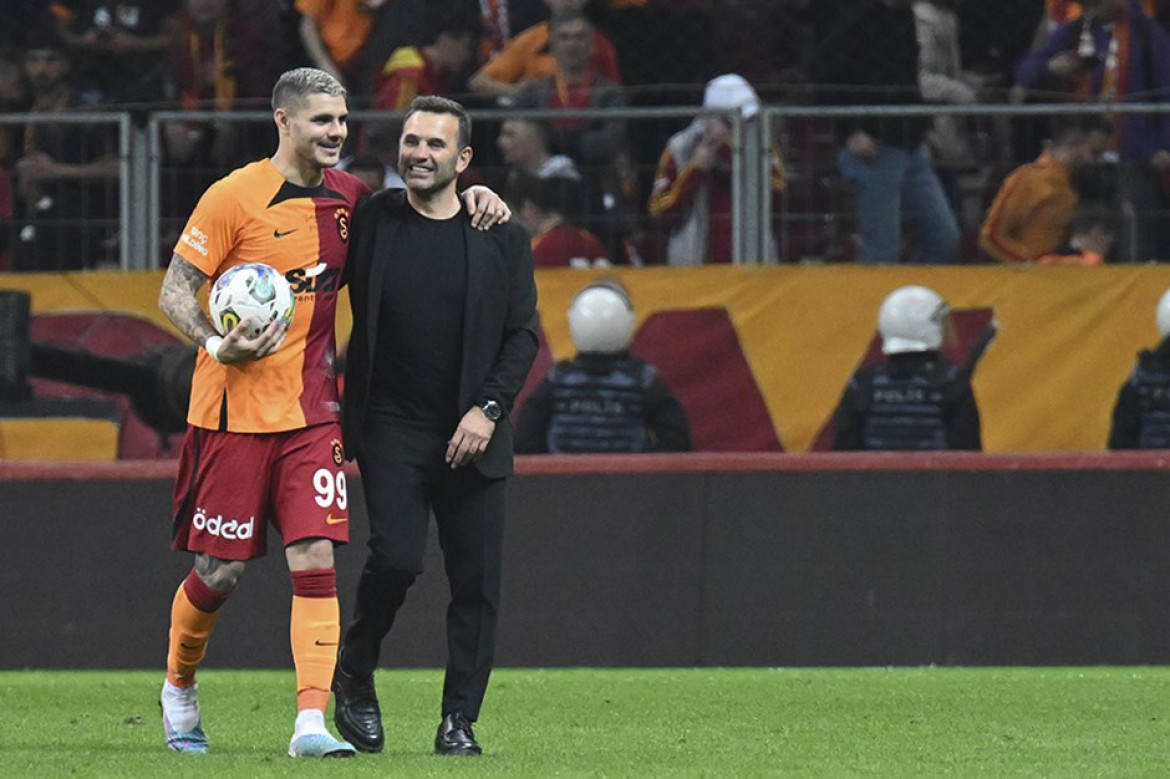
(418, 352)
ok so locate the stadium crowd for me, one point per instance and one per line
(647, 192)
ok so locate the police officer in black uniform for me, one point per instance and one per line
(915, 399)
(1141, 417)
(605, 399)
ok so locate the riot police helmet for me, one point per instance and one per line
(601, 318)
(1162, 314)
(912, 319)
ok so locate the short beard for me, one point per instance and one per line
(431, 189)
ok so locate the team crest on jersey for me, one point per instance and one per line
(342, 217)
(338, 452)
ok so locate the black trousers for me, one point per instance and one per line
(404, 479)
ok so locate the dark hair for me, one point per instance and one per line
(551, 194)
(434, 104)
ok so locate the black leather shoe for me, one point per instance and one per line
(356, 712)
(455, 736)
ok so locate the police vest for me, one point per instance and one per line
(1151, 381)
(906, 411)
(599, 406)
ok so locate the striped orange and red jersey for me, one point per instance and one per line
(255, 215)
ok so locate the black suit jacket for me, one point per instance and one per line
(499, 322)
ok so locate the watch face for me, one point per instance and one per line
(491, 410)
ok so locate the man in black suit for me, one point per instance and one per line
(444, 332)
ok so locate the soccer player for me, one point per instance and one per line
(263, 442)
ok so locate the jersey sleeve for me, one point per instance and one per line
(210, 233)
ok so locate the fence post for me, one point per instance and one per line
(136, 250)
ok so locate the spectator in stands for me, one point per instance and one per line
(1090, 238)
(556, 243)
(576, 86)
(119, 49)
(914, 399)
(1141, 416)
(692, 190)
(232, 42)
(429, 69)
(884, 157)
(333, 33)
(598, 146)
(1114, 52)
(605, 399)
(224, 58)
(943, 79)
(523, 144)
(528, 57)
(66, 174)
(1032, 212)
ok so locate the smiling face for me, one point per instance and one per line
(430, 158)
(313, 129)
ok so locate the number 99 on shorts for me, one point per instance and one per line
(329, 487)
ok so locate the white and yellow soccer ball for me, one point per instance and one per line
(252, 290)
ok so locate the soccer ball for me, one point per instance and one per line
(250, 290)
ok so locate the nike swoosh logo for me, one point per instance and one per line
(332, 520)
(319, 642)
(188, 646)
(279, 234)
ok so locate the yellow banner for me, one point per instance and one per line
(1067, 336)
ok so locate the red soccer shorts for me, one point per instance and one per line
(232, 485)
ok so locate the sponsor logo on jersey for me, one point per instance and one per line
(231, 529)
(196, 239)
(319, 278)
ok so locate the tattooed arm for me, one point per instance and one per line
(177, 300)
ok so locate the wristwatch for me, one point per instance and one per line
(491, 410)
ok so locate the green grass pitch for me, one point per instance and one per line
(907, 722)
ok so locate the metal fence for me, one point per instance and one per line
(165, 160)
